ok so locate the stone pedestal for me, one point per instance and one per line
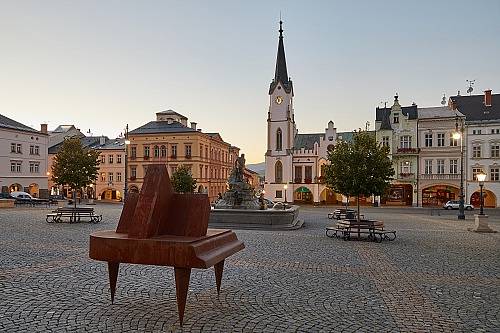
(481, 224)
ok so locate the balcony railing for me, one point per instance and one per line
(441, 176)
(308, 181)
(406, 175)
(407, 151)
(297, 180)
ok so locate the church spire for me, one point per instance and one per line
(281, 74)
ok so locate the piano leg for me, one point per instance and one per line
(219, 268)
(181, 288)
(113, 276)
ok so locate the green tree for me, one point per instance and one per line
(75, 165)
(183, 181)
(360, 167)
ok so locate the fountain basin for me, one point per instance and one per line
(270, 219)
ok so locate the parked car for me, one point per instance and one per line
(455, 204)
(5, 196)
(21, 195)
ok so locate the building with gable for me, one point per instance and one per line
(294, 161)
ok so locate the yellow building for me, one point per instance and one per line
(170, 141)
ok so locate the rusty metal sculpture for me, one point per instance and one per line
(160, 227)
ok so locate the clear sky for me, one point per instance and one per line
(102, 64)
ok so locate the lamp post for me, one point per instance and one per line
(481, 177)
(285, 187)
(127, 142)
(458, 134)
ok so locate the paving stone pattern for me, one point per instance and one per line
(435, 277)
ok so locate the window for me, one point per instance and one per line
(110, 177)
(133, 172)
(279, 194)
(279, 139)
(110, 159)
(396, 118)
(133, 152)
(103, 159)
(12, 147)
(475, 172)
(494, 174)
(454, 166)
(278, 172)
(37, 150)
(476, 151)
(428, 139)
(406, 167)
(476, 131)
(495, 131)
(298, 174)
(188, 151)
(440, 167)
(385, 141)
(163, 151)
(157, 151)
(34, 167)
(308, 174)
(201, 171)
(103, 177)
(174, 151)
(206, 152)
(428, 167)
(405, 141)
(495, 150)
(119, 177)
(453, 142)
(146, 151)
(206, 171)
(32, 150)
(19, 148)
(15, 166)
(440, 139)
(119, 158)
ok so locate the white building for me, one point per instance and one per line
(23, 158)
(294, 161)
(482, 137)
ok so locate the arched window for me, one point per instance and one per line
(157, 151)
(163, 151)
(279, 139)
(278, 172)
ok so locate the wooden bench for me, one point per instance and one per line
(374, 229)
(74, 214)
(163, 228)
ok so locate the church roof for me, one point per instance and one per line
(307, 141)
(162, 127)
(281, 73)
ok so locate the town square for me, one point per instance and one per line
(241, 166)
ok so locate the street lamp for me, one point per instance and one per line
(127, 142)
(481, 177)
(285, 188)
(458, 134)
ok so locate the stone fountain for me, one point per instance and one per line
(239, 208)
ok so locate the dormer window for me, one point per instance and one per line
(396, 118)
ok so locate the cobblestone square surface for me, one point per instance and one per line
(435, 277)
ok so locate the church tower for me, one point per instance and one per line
(281, 131)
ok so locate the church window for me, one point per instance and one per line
(278, 172)
(279, 139)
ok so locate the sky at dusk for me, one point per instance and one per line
(103, 64)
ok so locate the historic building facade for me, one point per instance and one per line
(23, 158)
(396, 128)
(110, 183)
(294, 162)
(171, 141)
(482, 144)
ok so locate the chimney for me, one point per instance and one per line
(193, 125)
(487, 97)
(43, 128)
(102, 140)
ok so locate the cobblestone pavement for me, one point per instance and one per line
(434, 277)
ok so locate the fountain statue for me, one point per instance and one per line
(240, 194)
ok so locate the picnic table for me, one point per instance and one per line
(373, 229)
(74, 214)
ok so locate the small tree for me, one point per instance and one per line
(360, 167)
(75, 165)
(182, 180)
